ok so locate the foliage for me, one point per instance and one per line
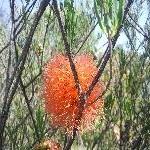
(126, 121)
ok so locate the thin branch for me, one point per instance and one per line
(14, 79)
(142, 31)
(110, 76)
(84, 96)
(81, 95)
(67, 47)
(27, 100)
(70, 140)
(6, 46)
(33, 79)
(86, 38)
(107, 56)
(24, 18)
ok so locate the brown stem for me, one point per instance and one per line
(67, 47)
(84, 96)
(16, 74)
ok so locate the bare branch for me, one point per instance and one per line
(15, 77)
(27, 100)
(67, 47)
(107, 56)
(86, 38)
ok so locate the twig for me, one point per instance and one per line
(81, 95)
(142, 31)
(33, 79)
(6, 46)
(27, 100)
(86, 38)
(110, 77)
(70, 140)
(84, 96)
(15, 77)
(107, 56)
(67, 47)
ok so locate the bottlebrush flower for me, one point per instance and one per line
(61, 96)
(48, 145)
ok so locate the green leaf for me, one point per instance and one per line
(97, 15)
(120, 12)
(40, 121)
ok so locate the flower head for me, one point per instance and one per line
(48, 145)
(61, 96)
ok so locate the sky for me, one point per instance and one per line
(5, 10)
(122, 40)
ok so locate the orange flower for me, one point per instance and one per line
(60, 93)
(48, 145)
